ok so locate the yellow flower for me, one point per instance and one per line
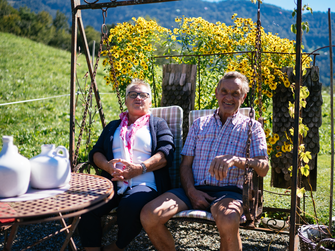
(267, 132)
(269, 94)
(273, 86)
(287, 83)
(268, 151)
(272, 141)
(278, 154)
(276, 136)
(288, 148)
(283, 148)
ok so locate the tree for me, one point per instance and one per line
(61, 21)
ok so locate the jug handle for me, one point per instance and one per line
(62, 149)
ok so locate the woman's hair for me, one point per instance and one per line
(235, 74)
(137, 81)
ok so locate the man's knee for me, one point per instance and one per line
(147, 216)
(228, 219)
(227, 214)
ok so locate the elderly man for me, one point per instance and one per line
(212, 169)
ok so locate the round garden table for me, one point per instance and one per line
(85, 193)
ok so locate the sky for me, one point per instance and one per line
(316, 5)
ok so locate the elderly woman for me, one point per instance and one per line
(135, 153)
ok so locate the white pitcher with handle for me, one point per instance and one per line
(14, 170)
(51, 168)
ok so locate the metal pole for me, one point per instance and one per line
(74, 3)
(199, 90)
(296, 131)
(332, 122)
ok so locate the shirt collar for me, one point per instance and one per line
(232, 118)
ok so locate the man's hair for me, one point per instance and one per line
(137, 81)
(235, 74)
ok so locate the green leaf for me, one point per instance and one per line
(293, 29)
(300, 192)
(305, 170)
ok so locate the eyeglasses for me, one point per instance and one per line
(143, 95)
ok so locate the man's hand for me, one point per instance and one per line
(220, 165)
(200, 200)
(129, 170)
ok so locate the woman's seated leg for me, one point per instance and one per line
(128, 213)
(89, 226)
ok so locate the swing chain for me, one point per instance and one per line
(111, 62)
(258, 62)
(104, 38)
(89, 96)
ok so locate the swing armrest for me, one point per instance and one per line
(253, 198)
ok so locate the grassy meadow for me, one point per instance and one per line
(30, 70)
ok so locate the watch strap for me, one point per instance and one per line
(144, 168)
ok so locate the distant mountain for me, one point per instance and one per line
(273, 18)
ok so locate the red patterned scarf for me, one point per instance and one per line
(127, 140)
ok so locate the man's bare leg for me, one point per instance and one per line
(155, 214)
(227, 214)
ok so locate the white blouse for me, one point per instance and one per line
(141, 152)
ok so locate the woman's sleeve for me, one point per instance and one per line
(100, 145)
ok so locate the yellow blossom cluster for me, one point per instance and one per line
(215, 48)
(131, 51)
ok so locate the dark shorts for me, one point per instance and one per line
(219, 193)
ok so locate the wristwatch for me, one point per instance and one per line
(144, 168)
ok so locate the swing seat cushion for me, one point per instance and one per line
(196, 215)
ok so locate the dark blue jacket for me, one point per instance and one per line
(161, 140)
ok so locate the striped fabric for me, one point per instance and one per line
(173, 115)
(200, 214)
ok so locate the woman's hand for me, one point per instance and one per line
(129, 170)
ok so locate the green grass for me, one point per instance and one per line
(29, 70)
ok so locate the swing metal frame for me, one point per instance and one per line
(77, 23)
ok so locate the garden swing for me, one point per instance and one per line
(252, 188)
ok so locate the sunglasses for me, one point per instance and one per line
(143, 95)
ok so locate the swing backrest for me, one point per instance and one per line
(173, 115)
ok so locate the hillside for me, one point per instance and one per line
(274, 19)
(40, 75)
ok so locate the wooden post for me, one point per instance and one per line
(179, 83)
(282, 123)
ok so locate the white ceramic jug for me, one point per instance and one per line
(14, 170)
(51, 168)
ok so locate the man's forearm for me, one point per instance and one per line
(259, 164)
(186, 174)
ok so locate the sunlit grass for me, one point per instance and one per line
(30, 70)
